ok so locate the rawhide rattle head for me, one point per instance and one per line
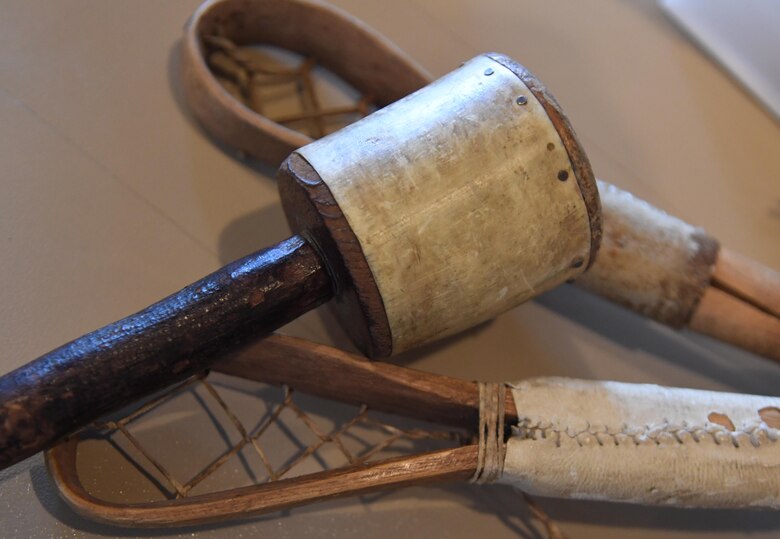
(446, 208)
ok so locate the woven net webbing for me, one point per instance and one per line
(239, 433)
(217, 432)
(285, 93)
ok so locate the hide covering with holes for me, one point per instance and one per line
(644, 444)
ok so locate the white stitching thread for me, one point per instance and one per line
(657, 434)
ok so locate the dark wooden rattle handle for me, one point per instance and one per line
(69, 387)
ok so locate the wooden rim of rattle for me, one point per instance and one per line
(579, 159)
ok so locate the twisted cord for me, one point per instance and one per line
(492, 448)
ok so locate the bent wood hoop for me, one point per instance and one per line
(569, 438)
(342, 43)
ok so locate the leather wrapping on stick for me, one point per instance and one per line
(644, 444)
(463, 200)
(649, 261)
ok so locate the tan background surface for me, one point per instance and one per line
(112, 198)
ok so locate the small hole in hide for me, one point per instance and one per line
(771, 416)
(721, 419)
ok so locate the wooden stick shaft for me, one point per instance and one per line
(729, 319)
(175, 338)
(326, 372)
(748, 280)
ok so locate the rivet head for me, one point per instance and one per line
(489, 71)
(522, 100)
(563, 175)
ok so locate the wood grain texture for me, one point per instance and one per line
(330, 373)
(636, 443)
(368, 61)
(729, 319)
(169, 341)
(448, 465)
(748, 280)
(326, 372)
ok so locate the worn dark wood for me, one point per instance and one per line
(330, 373)
(311, 210)
(700, 267)
(175, 338)
(447, 465)
(579, 159)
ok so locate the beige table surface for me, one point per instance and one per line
(111, 197)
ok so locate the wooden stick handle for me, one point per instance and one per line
(330, 373)
(727, 318)
(742, 305)
(177, 337)
(748, 281)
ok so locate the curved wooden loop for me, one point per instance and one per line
(372, 64)
(446, 465)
